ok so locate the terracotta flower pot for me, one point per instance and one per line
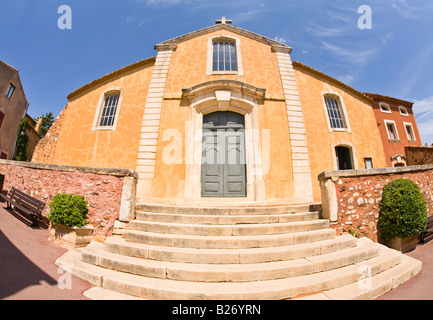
(72, 237)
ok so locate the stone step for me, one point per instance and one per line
(96, 255)
(228, 230)
(99, 293)
(228, 242)
(120, 246)
(226, 219)
(164, 289)
(368, 288)
(241, 209)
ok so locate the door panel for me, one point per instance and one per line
(224, 165)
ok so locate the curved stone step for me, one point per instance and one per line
(228, 242)
(386, 275)
(96, 255)
(153, 288)
(228, 230)
(224, 256)
(387, 270)
(225, 210)
(226, 219)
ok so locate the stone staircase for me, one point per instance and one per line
(237, 253)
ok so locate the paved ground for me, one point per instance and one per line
(28, 271)
(420, 287)
(27, 263)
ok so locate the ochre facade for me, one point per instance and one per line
(158, 123)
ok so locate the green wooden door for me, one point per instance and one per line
(223, 171)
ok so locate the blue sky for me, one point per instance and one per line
(394, 57)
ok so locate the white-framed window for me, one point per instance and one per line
(224, 56)
(335, 113)
(403, 111)
(368, 163)
(410, 133)
(391, 130)
(108, 110)
(10, 91)
(384, 107)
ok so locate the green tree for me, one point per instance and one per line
(22, 140)
(47, 121)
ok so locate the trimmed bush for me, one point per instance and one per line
(403, 211)
(69, 210)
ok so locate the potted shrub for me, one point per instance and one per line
(403, 215)
(68, 213)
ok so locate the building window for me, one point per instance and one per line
(335, 113)
(391, 129)
(368, 163)
(10, 91)
(409, 132)
(385, 108)
(2, 116)
(109, 111)
(224, 56)
(403, 111)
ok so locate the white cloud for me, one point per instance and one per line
(423, 110)
(280, 39)
(320, 31)
(347, 79)
(162, 2)
(353, 56)
(387, 38)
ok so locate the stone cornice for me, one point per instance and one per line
(240, 86)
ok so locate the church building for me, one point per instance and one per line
(220, 115)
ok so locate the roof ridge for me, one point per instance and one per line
(216, 27)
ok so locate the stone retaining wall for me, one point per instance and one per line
(350, 199)
(110, 192)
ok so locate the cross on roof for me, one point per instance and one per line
(223, 21)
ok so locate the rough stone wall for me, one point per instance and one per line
(419, 156)
(102, 188)
(358, 196)
(46, 148)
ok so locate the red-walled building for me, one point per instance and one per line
(397, 127)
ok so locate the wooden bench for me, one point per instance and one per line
(24, 203)
(428, 230)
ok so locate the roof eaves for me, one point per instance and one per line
(376, 96)
(110, 75)
(363, 95)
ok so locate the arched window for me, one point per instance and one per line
(109, 109)
(335, 113)
(224, 56)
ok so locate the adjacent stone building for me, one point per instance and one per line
(397, 127)
(13, 107)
